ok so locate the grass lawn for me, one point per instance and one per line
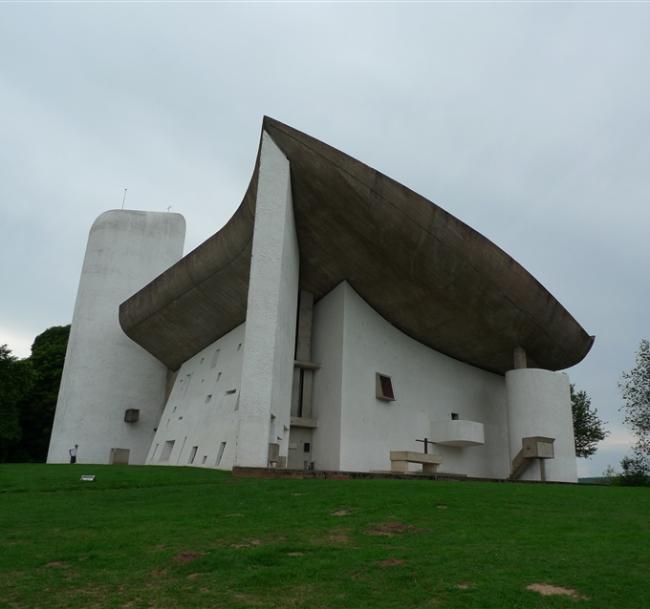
(163, 537)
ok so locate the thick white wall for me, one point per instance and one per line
(428, 387)
(327, 351)
(267, 369)
(105, 372)
(539, 404)
(202, 409)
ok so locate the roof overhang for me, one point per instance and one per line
(425, 271)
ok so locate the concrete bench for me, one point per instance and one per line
(399, 460)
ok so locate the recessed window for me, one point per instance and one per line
(307, 447)
(219, 376)
(131, 415)
(222, 447)
(231, 391)
(205, 458)
(202, 360)
(215, 357)
(454, 416)
(208, 398)
(239, 347)
(166, 450)
(384, 387)
(192, 455)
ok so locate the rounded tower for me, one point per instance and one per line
(539, 404)
(112, 390)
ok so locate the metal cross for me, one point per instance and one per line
(426, 444)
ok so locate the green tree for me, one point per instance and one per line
(588, 428)
(38, 405)
(15, 383)
(635, 389)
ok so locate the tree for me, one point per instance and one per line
(15, 383)
(38, 405)
(588, 429)
(635, 389)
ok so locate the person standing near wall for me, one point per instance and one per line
(73, 453)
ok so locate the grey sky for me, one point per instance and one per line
(529, 122)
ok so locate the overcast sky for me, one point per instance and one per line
(530, 122)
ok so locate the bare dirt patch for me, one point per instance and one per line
(340, 513)
(193, 576)
(248, 599)
(391, 562)
(390, 529)
(247, 544)
(295, 553)
(338, 537)
(464, 585)
(550, 590)
(58, 564)
(187, 556)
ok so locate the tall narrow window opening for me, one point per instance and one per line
(192, 455)
(222, 447)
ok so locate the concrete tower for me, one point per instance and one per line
(112, 391)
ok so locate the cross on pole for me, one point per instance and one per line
(426, 442)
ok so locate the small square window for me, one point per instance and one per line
(454, 416)
(384, 388)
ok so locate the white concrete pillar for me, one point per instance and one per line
(519, 357)
(267, 369)
(539, 404)
(105, 372)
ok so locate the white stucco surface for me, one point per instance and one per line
(267, 368)
(428, 387)
(327, 350)
(202, 408)
(539, 404)
(105, 372)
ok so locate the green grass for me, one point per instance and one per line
(182, 538)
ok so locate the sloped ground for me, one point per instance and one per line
(183, 538)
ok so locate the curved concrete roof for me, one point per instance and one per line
(428, 273)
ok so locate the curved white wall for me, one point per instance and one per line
(105, 372)
(539, 405)
(356, 431)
